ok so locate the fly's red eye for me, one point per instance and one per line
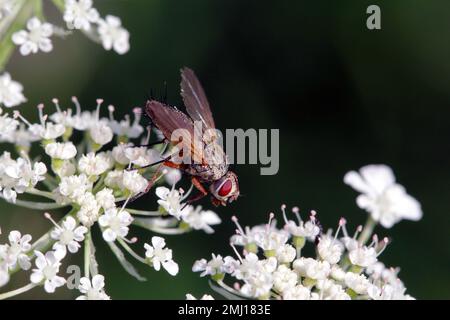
(225, 188)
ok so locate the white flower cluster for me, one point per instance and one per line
(36, 34)
(90, 164)
(18, 175)
(271, 264)
(78, 14)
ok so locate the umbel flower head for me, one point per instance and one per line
(91, 167)
(271, 264)
(29, 29)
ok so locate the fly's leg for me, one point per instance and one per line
(151, 164)
(152, 144)
(149, 185)
(203, 192)
(155, 176)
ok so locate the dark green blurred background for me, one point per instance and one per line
(341, 95)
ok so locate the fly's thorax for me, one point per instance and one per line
(208, 172)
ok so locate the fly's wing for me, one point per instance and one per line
(169, 120)
(194, 99)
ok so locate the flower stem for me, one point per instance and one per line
(367, 230)
(87, 253)
(41, 193)
(130, 251)
(144, 213)
(16, 292)
(39, 205)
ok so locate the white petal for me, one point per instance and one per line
(162, 192)
(20, 37)
(378, 177)
(171, 267)
(69, 223)
(158, 242)
(14, 236)
(98, 282)
(109, 235)
(354, 180)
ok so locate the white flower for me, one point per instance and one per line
(126, 128)
(308, 230)
(134, 182)
(4, 275)
(330, 249)
(329, 290)
(246, 236)
(158, 255)
(10, 91)
(115, 224)
(284, 278)
(170, 200)
(47, 271)
(46, 130)
(258, 285)
(68, 235)
(16, 176)
(363, 256)
(251, 265)
(357, 282)
(141, 156)
(113, 35)
(313, 269)
(388, 292)
(337, 273)
(298, 292)
(74, 186)
(66, 169)
(93, 290)
(63, 151)
(118, 153)
(199, 219)
(101, 133)
(80, 14)
(89, 210)
(105, 198)
(217, 265)
(114, 179)
(36, 38)
(8, 126)
(270, 240)
(16, 251)
(204, 297)
(286, 253)
(172, 176)
(94, 164)
(382, 197)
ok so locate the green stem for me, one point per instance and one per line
(16, 292)
(367, 230)
(99, 184)
(130, 251)
(59, 4)
(144, 213)
(166, 231)
(87, 254)
(39, 205)
(41, 193)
